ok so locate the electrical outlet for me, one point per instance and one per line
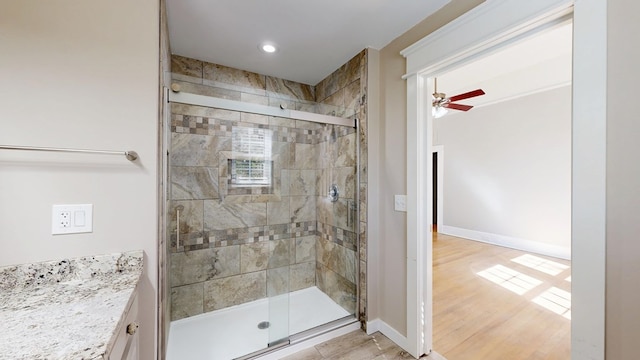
(64, 219)
(72, 219)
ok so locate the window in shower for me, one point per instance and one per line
(251, 172)
(250, 164)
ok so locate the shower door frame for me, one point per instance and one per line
(233, 105)
(282, 111)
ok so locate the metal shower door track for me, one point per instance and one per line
(218, 103)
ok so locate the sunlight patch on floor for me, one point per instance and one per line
(510, 279)
(537, 263)
(556, 300)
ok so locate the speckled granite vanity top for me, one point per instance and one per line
(66, 309)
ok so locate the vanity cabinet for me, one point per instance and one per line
(81, 308)
(127, 337)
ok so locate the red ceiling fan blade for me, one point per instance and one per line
(458, 107)
(467, 95)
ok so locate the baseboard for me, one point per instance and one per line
(373, 326)
(507, 241)
(388, 331)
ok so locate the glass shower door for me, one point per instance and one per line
(258, 249)
(278, 307)
(255, 169)
(333, 295)
(338, 223)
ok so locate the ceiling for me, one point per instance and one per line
(537, 63)
(314, 38)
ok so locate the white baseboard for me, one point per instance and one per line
(373, 326)
(507, 241)
(388, 331)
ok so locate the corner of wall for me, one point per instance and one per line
(374, 225)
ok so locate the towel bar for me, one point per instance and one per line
(131, 155)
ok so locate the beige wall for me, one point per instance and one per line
(392, 177)
(80, 75)
(623, 180)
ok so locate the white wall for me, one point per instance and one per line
(80, 75)
(507, 172)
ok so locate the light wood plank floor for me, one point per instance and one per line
(492, 302)
(475, 317)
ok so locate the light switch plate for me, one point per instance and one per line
(400, 202)
(72, 219)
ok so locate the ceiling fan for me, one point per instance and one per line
(441, 102)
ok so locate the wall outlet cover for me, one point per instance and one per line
(72, 219)
(400, 202)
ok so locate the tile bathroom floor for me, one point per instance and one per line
(357, 345)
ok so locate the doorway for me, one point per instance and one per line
(473, 35)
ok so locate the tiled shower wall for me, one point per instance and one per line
(237, 247)
(344, 91)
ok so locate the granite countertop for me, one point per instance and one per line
(67, 309)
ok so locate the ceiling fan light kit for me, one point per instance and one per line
(441, 102)
(438, 111)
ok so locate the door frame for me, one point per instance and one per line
(493, 24)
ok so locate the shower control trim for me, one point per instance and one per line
(334, 193)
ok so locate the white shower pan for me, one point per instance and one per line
(233, 332)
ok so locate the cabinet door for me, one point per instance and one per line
(132, 352)
(126, 343)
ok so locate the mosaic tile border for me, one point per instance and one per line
(338, 235)
(240, 236)
(220, 238)
(202, 125)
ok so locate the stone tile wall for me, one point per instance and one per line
(242, 246)
(237, 248)
(346, 89)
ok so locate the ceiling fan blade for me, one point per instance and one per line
(460, 107)
(467, 95)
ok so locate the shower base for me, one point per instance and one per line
(233, 332)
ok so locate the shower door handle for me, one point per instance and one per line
(351, 207)
(178, 227)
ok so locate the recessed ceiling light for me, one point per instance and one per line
(268, 48)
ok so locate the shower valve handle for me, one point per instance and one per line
(333, 193)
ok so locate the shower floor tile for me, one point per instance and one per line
(232, 332)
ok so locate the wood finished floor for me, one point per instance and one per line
(476, 318)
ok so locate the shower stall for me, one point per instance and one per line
(263, 213)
